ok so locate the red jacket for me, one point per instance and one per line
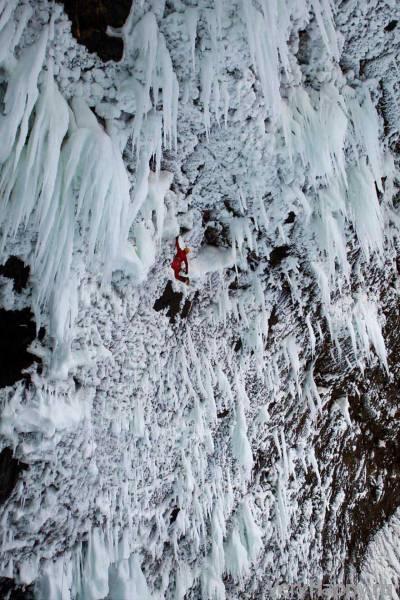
(179, 258)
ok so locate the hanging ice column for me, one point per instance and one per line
(64, 180)
(264, 37)
(318, 128)
(244, 543)
(154, 126)
(152, 70)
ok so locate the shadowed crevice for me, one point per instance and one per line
(14, 268)
(9, 590)
(171, 300)
(18, 330)
(10, 470)
(90, 19)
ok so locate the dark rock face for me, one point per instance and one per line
(10, 470)
(360, 461)
(15, 269)
(391, 26)
(18, 330)
(238, 345)
(368, 472)
(174, 514)
(217, 235)
(17, 327)
(90, 19)
(278, 254)
(10, 591)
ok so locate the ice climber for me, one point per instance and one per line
(180, 259)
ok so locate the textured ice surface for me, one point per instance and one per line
(228, 452)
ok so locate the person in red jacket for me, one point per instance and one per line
(180, 259)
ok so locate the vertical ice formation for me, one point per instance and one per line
(244, 542)
(153, 72)
(63, 177)
(66, 182)
(322, 130)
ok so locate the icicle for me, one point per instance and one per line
(236, 558)
(286, 118)
(314, 464)
(225, 387)
(250, 531)
(311, 334)
(170, 93)
(323, 283)
(46, 175)
(219, 10)
(38, 169)
(242, 396)
(55, 581)
(310, 392)
(369, 332)
(324, 17)
(197, 365)
(329, 227)
(206, 79)
(6, 9)
(128, 581)
(143, 105)
(343, 404)
(143, 38)
(261, 30)
(241, 448)
(365, 209)
(212, 585)
(150, 147)
(208, 386)
(184, 580)
(158, 186)
(152, 59)
(95, 574)
(23, 19)
(20, 98)
(292, 354)
(282, 516)
(217, 100)
(226, 99)
(191, 18)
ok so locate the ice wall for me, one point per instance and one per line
(169, 460)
